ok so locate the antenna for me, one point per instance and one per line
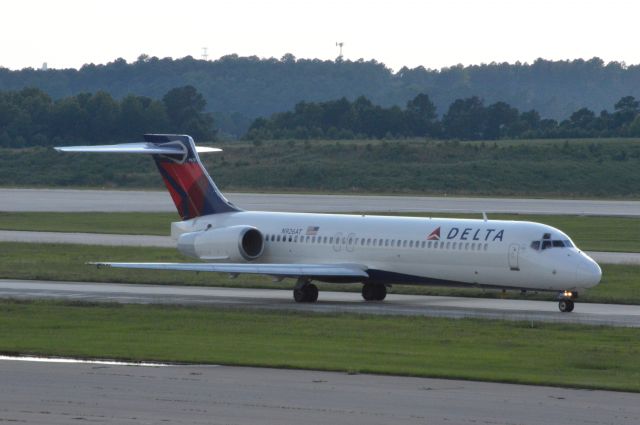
(339, 44)
(205, 55)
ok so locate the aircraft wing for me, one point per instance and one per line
(288, 270)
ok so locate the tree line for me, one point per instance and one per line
(30, 117)
(465, 119)
(239, 89)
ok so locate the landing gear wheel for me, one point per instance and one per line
(305, 293)
(380, 292)
(371, 292)
(565, 305)
(312, 293)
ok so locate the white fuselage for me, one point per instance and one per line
(419, 250)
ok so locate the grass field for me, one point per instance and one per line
(620, 284)
(591, 233)
(556, 168)
(544, 354)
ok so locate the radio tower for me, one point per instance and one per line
(339, 44)
(205, 55)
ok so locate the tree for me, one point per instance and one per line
(465, 119)
(626, 110)
(186, 113)
(499, 117)
(421, 116)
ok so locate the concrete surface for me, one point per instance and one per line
(115, 200)
(55, 393)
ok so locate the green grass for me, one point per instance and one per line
(557, 168)
(131, 223)
(620, 284)
(541, 354)
(592, 233)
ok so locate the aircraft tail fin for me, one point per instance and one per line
(193, 191)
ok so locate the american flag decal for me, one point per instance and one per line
(312, 230)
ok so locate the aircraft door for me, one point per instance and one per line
(514, 251)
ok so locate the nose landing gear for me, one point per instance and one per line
(565, 301)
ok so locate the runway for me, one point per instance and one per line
(632, 258)
(69, 200)
(55, 393)
(328, 302)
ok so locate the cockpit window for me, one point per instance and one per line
(547, 243)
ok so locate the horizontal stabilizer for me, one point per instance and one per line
(144, 148)
(291, 270)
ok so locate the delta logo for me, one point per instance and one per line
(434, 236)
(468, 234)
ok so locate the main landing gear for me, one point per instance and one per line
(372, 292)
(565, 301)
(305, 292)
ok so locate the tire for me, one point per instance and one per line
(571, 306)
(368, 292)
(380, 292)
(299, 295)
(311, 292)
(566, 306)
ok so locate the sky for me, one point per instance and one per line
(432, 34)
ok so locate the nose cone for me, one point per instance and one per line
(588, 273)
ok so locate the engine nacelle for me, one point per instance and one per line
(234, 243)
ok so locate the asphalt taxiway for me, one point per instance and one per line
(70, 200)
(328, 302)
(63, 393)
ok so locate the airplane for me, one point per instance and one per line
(377, 251)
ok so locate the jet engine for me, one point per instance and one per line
(234, 244)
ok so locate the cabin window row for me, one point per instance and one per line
(376, 242)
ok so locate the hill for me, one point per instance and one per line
(239, 89)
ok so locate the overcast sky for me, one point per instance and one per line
(433, 34)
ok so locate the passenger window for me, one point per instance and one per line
(278, 238)
(486, 246)
(429, 244)
(362, 241)
(453, 245)
(350, 241)
(423, 244)
(473, 246)
(441, 245)
(368, 241)
(331, 240)
(448, 243)
(410, 244)
(324, 240)
(404, 244)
